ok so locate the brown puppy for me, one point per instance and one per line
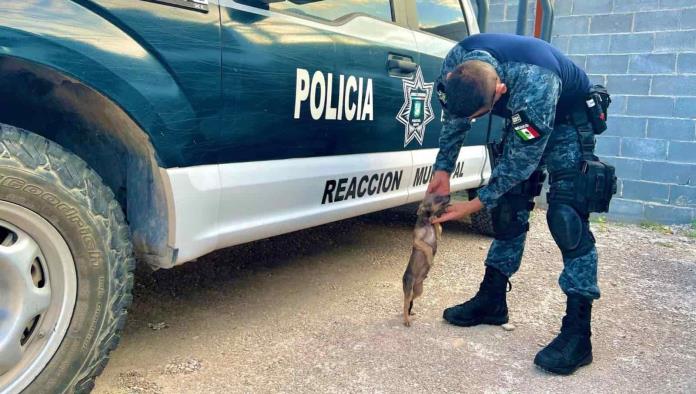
(425, 237)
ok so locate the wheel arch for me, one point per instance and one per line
(68, 111)
(86, 42)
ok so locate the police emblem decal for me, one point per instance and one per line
(417, 111)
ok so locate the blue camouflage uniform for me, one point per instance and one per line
(542, 84)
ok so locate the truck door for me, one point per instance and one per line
(438, 25)
(310, 131)
(310, 79)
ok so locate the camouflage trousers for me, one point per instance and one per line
(579, 275)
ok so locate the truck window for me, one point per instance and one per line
(444, 18)
(331, 10)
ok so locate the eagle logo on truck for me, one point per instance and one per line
(417, 111)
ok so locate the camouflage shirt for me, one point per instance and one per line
(532, 90)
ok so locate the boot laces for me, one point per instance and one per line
(488, 291)
(559, 343)
(574, 323)
(489, 288)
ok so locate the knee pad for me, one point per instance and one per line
(505, 216)
(570, 230)
(506, 224)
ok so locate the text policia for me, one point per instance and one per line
(354, 99)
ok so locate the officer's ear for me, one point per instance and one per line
(500, 88)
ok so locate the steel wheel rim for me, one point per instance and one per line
(32, 253)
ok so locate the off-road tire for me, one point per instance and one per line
(31, 167)
(481, 221)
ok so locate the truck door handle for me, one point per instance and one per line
(400, 66)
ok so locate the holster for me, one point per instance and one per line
(593, 187)
(594, 183)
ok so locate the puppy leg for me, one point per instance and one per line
(408, 293)
(408, 303)
(417, 291)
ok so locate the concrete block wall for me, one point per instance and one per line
(644, 52)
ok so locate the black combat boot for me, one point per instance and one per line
(488, 305)
(572, 347)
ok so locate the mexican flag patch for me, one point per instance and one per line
(524, 128)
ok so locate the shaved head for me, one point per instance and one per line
(470, 87)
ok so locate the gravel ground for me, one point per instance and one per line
(319, 311)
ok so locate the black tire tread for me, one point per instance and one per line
(482, 222)
(25, 150)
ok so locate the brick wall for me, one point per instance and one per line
(644, 52)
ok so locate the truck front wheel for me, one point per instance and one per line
(481, 221)
(66, 266)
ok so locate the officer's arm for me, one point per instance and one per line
(522, 154)
(454, 129)
(452, 137)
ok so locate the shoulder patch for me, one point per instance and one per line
(524, 128)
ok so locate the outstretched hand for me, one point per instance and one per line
(459, 210)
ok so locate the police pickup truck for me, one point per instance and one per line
(163, 130)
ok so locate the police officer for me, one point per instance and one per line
(542, 95)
